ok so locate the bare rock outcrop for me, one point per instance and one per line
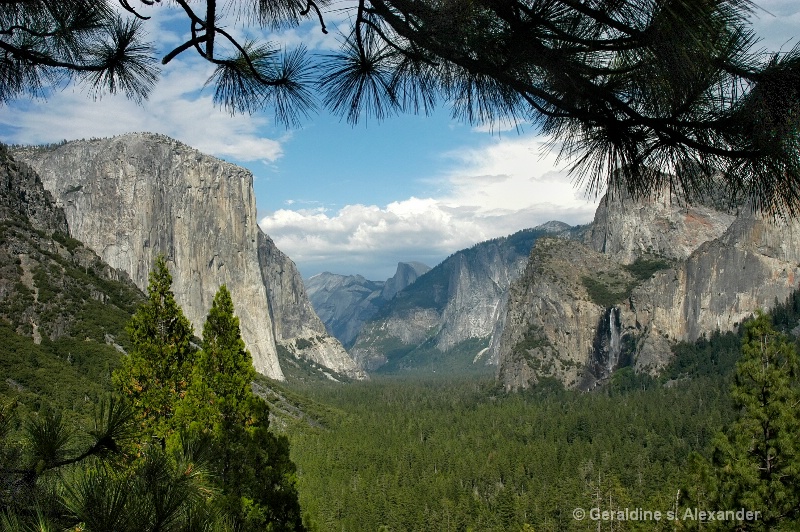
(297, 328)
(132, 197)
(345, 303)
(552, 328)
(22, 195)
(755, 263)
(664, 225)
(714, 269)
(453, 308)
(51, 286)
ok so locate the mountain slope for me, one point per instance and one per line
(345, 302)
(654, 272)
(450, 312)
(62, 310)
(298, 330)
(135, 196)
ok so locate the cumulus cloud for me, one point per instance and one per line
(491, 191)
(178, 107)
(175, 109)
(368, 239)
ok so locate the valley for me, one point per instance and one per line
(444, 398)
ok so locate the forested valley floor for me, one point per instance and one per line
(460, 454)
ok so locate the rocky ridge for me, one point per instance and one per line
(297, 328)
(135, 196)
(453, 308)
(645, 275)
(664, 225)
(345, 302)
(51, 285)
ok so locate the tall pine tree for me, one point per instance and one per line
(251, 465)
(156, 374)
(220, 388)
(755, 463)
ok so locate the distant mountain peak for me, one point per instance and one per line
(405, 275)
(553, 226)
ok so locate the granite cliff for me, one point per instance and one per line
(345, 302)
(645, 275)
(664, 225)
(298, 329)
(446, 318)
(132, 197)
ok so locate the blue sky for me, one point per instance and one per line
(341, 198)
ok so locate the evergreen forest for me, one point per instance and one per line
(181, 434)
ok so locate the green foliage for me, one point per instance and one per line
(643, 268)
(160, 457)
(416, 454)
(83, 40)
(786, 315)
(49, 449)
(65, 240)
(622, 87)
(607, 290)
(756, 460)
(179, 393)
(70, 373)
(427, 359)
(250, 465)
(707, 356)
(156, 373)
(626, 380)
(222, 372)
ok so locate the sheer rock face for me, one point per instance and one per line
(551, 325)
(405, 275)
(346, 302)
(47, 278)
(135, 196)
(297, 327)
(476, 288)
(724, 268)
(753, 264)
(22, 194)
(663, 225)
(459, 300)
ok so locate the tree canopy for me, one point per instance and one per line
(156, 374)
(638, 94)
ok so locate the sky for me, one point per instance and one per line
(341, 198)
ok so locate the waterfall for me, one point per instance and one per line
(607, 353)
(614, 347)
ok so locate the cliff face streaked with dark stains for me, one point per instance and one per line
(720, 265)
(132, 197)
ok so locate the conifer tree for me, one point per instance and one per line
(223, 371)
(756, 461)
(156, 373)
(251, 465)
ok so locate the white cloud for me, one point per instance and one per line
(492, 191)
(178, 107)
